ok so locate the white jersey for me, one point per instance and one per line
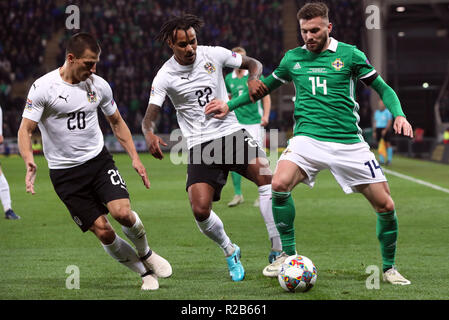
(190, 88)
(67, 117)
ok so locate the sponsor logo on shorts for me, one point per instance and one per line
(77, 220)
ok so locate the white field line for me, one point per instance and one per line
(424, 183)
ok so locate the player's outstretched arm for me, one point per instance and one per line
(123, 135)
(26, 130)
(220, 109)
(391, 101)
(148, 126)
(255, 87)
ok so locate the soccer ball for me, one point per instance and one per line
(298, 274)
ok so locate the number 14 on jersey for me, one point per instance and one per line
(316, 83)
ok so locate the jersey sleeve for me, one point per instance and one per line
(282, 73)
(107, 104)
(35, 103)
(361, 67)
(158, 90)
(226, 57)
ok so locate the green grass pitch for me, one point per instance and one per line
(335, 230)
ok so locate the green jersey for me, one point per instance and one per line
(325, 83)
(250, 113)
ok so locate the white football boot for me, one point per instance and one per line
(149, 282)
(273, 269)
(394, 277)
(238, 199)
(154, 262)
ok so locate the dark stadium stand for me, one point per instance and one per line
(131, 55)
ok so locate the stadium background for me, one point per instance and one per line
(408, 46)
(336, 231)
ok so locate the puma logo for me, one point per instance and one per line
(61, 97)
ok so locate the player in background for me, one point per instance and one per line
(253, 117)
(383, 121)
(326, 132)
(64, 104)
(191, 78)
(5, 195)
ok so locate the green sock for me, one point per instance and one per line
(284, 218)
(237, 182)
(387, 233)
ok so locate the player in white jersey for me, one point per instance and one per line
(191, 78)
(64, 103)
(5, 195)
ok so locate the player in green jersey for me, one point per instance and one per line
(326, 132)
(253, 117)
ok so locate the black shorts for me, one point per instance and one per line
(387, 137)
(85, 189)
(210, 162)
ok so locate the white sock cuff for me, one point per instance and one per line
(210, 221)
(115, 244)
(137, 229)
(265, 190)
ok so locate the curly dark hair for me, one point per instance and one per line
(184, 22)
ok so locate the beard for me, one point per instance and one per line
(318, 45)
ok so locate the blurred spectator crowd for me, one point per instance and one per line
(130, 55)
(25, 27)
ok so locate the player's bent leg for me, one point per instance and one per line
(120, 210)
(287, 175)
(378, 194)
(259, 172)
(134, 229)
(200, 196)
(103, 230)
(122, 252)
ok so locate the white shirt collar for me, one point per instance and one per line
(332, 46)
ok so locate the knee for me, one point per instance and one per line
(123, 215)
(278, 185)
(385, 206)
(201, 211)
(103, 231)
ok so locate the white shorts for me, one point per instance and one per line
(257, 132)
(350, 164)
